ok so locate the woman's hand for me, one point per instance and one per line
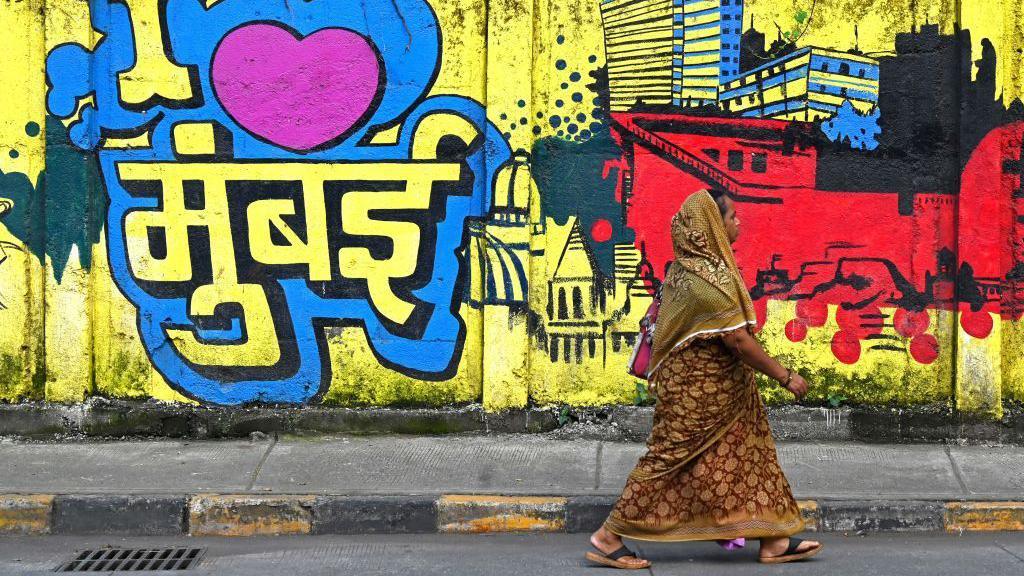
(798, 386)
(749, 350)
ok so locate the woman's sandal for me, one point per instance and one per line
(791, 555)
(612, 559)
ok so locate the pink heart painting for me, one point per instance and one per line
(297, 93)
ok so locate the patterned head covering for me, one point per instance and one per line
(703, 292)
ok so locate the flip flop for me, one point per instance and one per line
(791, 555)
(612, 559)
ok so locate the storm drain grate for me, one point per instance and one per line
(133, 560)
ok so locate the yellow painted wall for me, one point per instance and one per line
(389, 206)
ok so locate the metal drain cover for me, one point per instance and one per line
(133, 560)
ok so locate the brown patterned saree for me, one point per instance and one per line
(710, 471)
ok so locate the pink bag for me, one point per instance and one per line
(640, 361)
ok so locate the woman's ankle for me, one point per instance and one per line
(606, 536)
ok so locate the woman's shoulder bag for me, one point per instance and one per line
(640, 361)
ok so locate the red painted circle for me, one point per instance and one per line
(601, 230)
(813, 313)
(846, 347)
(910, 324)
(924, 348)
(848, 320)
(796, 330)
(860, 322)
(977, 324)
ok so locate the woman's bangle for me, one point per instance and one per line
(789, 378)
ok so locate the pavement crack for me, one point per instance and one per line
(1010, 552)
(263, 460)
(956, 472)
(597, 468)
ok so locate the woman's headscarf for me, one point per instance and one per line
(703, 291)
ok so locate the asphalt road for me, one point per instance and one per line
(535, 555)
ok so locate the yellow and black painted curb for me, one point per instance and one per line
(280, 514)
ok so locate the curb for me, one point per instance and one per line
(977, 516)
(134, 514)
(272, 515)
(470, 514)
(243, 515)
(104, 418)
(25, 514)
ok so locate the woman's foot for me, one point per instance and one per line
(776, 550)
(608, 543)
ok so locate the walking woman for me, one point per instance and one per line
(710, 471)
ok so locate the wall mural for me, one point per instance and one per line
(262, 211)
(378, 201)
(807, 182)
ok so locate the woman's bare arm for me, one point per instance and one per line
(750, 351)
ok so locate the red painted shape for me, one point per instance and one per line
(987, 205)
(991, 238)
(796, 330)
(924, 348)
(910, 324)
(828, 247)
(977, 324)
(620, 166)
(601, 230)
(812, 312)
(848, 320)
(659, 188)
(785, 171)
(861, 323)
(846, 347)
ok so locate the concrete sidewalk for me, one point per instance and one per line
(462, 483)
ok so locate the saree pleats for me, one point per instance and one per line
(710, 471)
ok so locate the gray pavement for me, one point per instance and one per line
(542, 555)
(505, 464)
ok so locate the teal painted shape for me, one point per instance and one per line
(569, 177)
(63, 208)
